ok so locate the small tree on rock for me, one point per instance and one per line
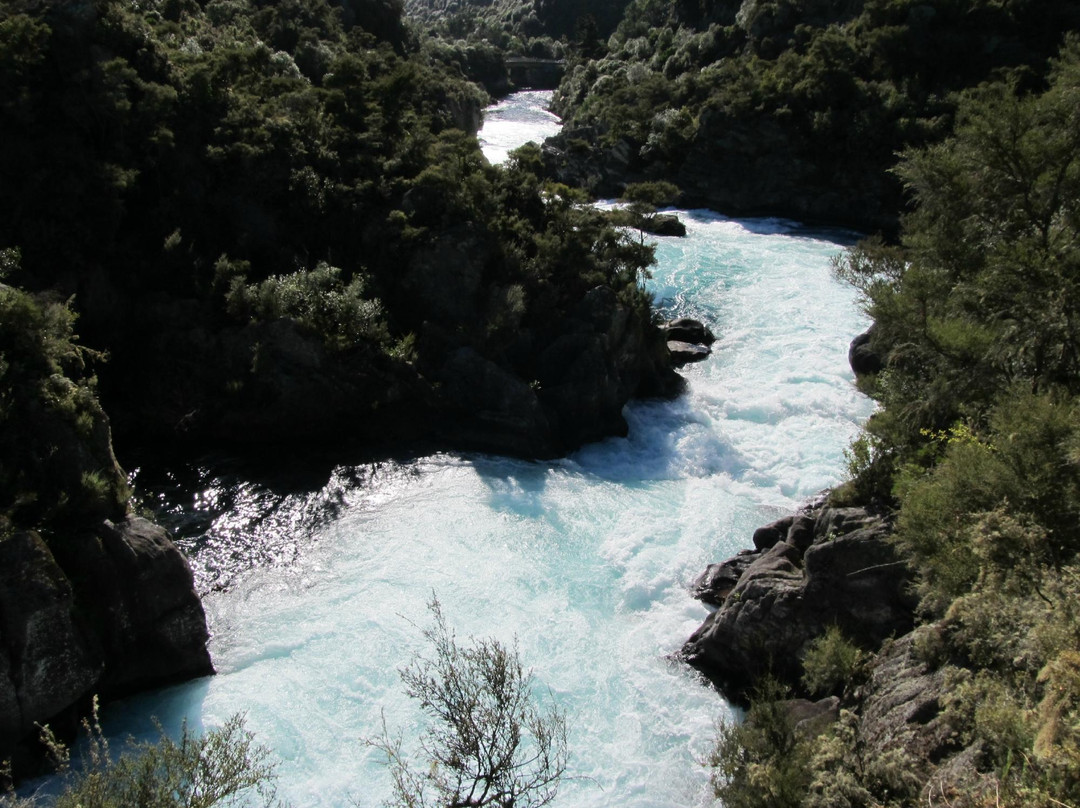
(489, 744)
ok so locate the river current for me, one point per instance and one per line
(316, 593)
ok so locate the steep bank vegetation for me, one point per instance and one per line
(475, 37)
(974, 456)
(794, 107)
(274, 220)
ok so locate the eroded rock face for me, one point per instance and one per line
(106, 613)
(139, 595)
(841, 571)
(902, 707)
(492, 408)
(48, 657)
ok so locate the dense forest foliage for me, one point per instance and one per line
(273, 225)
(475, 37)
(270, 224)
(795, 107)
(974, 453)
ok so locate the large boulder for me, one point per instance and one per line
(688, 340)
(685, 353)
(138, 593)
(106, 613)
(687, 329)
(844, 572)
(863, 356)
(663, 224)
(49, 660)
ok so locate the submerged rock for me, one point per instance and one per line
(664, 224)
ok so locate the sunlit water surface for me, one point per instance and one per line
(316, 599)
(515, 121)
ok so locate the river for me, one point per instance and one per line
(316, 592)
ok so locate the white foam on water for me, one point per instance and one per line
(585, 561)
(515, 121)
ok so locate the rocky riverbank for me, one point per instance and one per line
(106, 612)
(822, 569)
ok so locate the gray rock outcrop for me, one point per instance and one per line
(688, 340)
(832, 566)
(684, 353)
(48, 658)
(106, 613)
(687, 329)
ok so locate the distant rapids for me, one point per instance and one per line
(515, 121)
(316, 588)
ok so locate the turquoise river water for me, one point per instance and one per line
(316, 599)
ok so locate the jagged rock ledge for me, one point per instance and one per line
(821, 567)
(108, 612)
(688, 340)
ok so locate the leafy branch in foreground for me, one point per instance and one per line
(489, 743)
(221, 768)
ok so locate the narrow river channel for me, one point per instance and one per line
(586, 561)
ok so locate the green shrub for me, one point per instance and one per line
(223, 767)
(846, 776)
(56, 460)
(761, 761)
(319, 300)
(489, 744)
(832, 664)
